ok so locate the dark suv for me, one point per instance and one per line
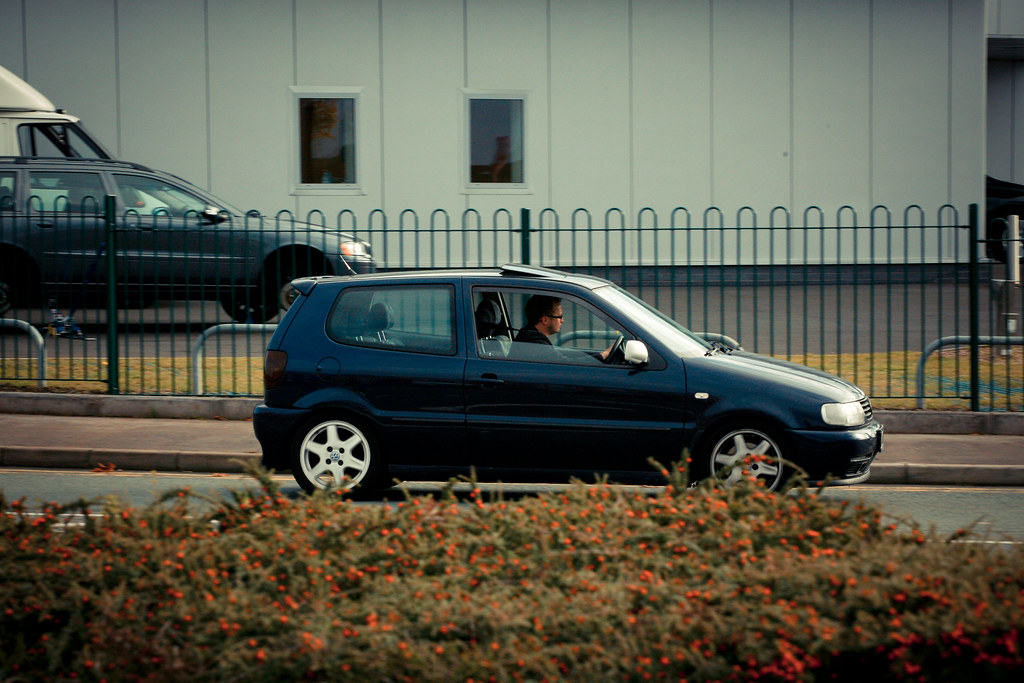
(173, 239)
(524, 368)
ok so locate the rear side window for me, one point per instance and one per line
(417, 319)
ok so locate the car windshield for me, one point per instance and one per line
(676, 337)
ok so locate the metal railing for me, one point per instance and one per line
(861, 296)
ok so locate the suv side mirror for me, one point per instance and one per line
(635, 352)
(212, 214)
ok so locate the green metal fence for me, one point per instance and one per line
(901, 303)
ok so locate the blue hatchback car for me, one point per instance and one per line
(536, 371)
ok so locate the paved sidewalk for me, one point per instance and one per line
(155, 433)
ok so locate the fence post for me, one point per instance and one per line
(975, 311)
(113, 364)
(524, 230)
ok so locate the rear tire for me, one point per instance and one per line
(336, 453)
(19, 282)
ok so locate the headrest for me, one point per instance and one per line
(488, 318)
(381, 317)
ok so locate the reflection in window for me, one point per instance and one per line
(150, 196)
(496, 140)
(75, 192)
(327, 140)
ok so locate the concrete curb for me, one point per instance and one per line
(128, 460)
(96, 405)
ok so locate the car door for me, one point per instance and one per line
(559, 407)
(65, 220)
(398, 355)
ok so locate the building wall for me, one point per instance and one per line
(1005, 113)
(631, 104)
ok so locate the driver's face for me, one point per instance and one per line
(552, 322)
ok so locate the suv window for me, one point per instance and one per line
(149, 196)
(420, 319)
(6, 191)
(63, 191)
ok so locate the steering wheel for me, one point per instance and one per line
(616, 350)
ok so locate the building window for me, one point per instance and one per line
(496, 134)
(327, 154)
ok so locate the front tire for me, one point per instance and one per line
(741, 452)
(336, 453)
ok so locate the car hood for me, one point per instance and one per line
(765, 370)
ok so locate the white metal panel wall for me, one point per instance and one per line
(910, 103)
(250, 64)
(421, 72)
(632, 103)
(967, 107)
(506, 49)
(338, 46)
(751, 105)
(671, 126)
(12, 44)
(71, 57)
(831, 106)
(590, 107)
(162, 81)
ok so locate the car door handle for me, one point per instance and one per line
(488, 380)
(44, 225)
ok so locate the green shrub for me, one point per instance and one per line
(593, 583)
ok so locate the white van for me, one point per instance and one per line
(30, 126)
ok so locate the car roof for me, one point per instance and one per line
(511, 273)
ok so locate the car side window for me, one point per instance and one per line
(417, 319)
(63, 191)
(505, 331)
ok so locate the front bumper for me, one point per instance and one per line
(842, 456)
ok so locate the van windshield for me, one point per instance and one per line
(58, 139)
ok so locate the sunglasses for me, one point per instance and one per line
(559, 317)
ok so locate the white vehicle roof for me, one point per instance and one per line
(16, 94)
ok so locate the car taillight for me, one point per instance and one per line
(273, 368)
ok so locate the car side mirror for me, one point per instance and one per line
(635, 352)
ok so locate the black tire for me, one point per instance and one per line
(743, 449)
(336, 453)
(19, 282)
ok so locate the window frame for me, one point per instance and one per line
(466, 185)
(295, 95)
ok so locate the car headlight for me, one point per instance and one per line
(355, 248)
(843, 414)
